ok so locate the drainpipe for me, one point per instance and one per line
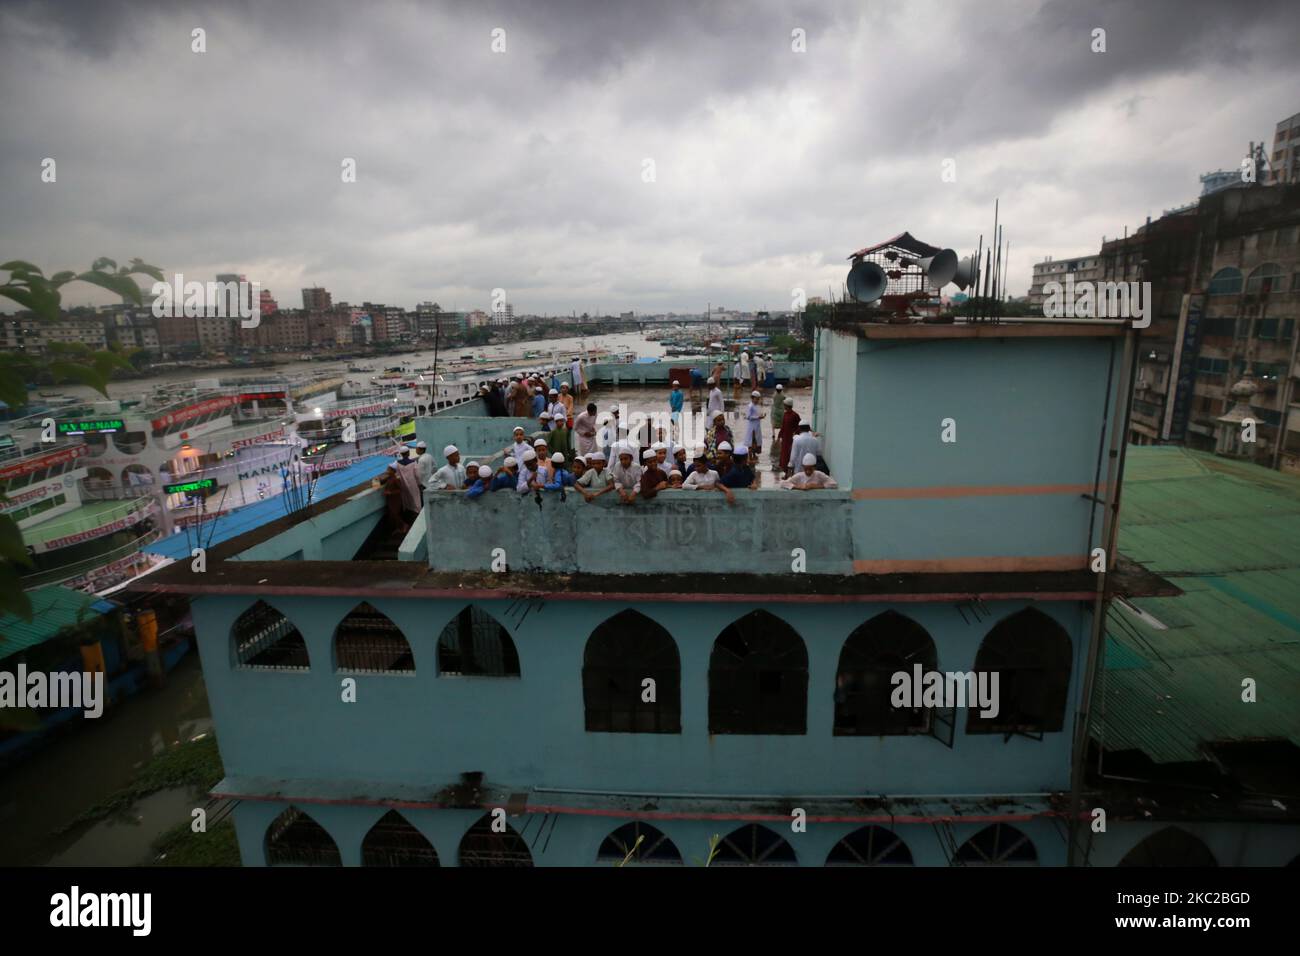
(1101, 600)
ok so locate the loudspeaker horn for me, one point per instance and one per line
(965, 274)
(939, 268)
(867, 281)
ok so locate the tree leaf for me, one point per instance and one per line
(63, 371)
(143, 268)
(103, 261)
(11, 542)
(12, 598)
(59, 278)
(13, 387)
(18, 265)
(124, 286)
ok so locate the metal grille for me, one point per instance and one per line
(483, 847)
(754, 845)
(474, 644)
(621, 653)
(880, 648)
(870, 846)
(265, 640)
(1031, 654)
(654, 848)
(758, 678)
(998, 844)
(393, 841)
(367, 642)
(295, 839)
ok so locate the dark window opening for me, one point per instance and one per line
(367, 642)
(1169, 847)
(872, 655)
(758, 678)
(393, 841)
(621, 653)
(754, 845)
(996, 845)
(295, 839)
(264, 639)
(482, 846)
(870, 846)
(1030, 653)
(474, 644)
(638, 843)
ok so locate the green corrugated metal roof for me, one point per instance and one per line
(53, 609)
(1228, 534)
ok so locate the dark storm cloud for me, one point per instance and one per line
(526, 170)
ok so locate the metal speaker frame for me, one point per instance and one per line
(939, 268)
(867, 281)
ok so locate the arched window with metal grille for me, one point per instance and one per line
(1171, 846)
(754, 845)
(1265, 278)
(484, 845)
(886, 645)
(1226, 281)
(758, 678)
(474, 644)
(870, 846)
(295, 839)
(638, 842)
(264, 639)
(394, 841)
(997, 845)
(367, 642)
(621, 654)
(1030, 654)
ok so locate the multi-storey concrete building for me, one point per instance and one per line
(1284, 161)
(1082, 268)
(315, 299)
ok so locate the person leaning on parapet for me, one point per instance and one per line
(809, 478)
(561, 477)
(579, 467)
(482, 483)
(531, 474)
(739, 474)
(596, 480)
(653, 478)
(451, 476)
(704, 478)
(508, 476)
(626, 474)
(806, 442)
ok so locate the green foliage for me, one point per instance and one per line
(181, 846)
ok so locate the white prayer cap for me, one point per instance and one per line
(553, 392)
(472, 467)
(810, 459)
(519, 428)
(546, 415)
(392, 465)
(624, 450)
(675, 382)
(755, 393)
(659, 446)
(780, 388)
(420, 444)
(558, 458)
(511, 462)
(530, 455)
(674, 472)
(539, 389)
(540, 443)
(449, 451)
(742, 451)
(648, 454)
(717, 415)
(789, 401)
(484, 471)
(724, 446)
(597, 456)
(581, 458)
(710, 379)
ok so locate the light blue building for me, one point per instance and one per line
(544, 681)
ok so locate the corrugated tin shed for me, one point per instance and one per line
(1228, 534)
(54, 609)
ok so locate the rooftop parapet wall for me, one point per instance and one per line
(677, 532)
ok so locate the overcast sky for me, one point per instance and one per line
(526, 169)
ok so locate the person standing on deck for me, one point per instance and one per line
(789, 422)
(423, 464)
(451, 476)
(584, 430)
(520, 444)
(675, 401)
(579, 379)
(391, 485)
(717, 403)
(566, 399)
(560, 437)
(752, 435)
(539, 401)
(778, 414)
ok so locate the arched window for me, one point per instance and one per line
(393, 841)
(997, 845)
(870, 846)
(130, 443)
(1226, 282)
(638, 842)
(265, 640)
(1170, 847)
(136, 475)
(97, 479)
(758, 678)
(483, 846)
(754, 845)
(887, 644)
(367, 642)
(621, 654)
(1030, 654)
(295, 839)
(1265, 278)
(474, 644)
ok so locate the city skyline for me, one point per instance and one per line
(525, 170)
